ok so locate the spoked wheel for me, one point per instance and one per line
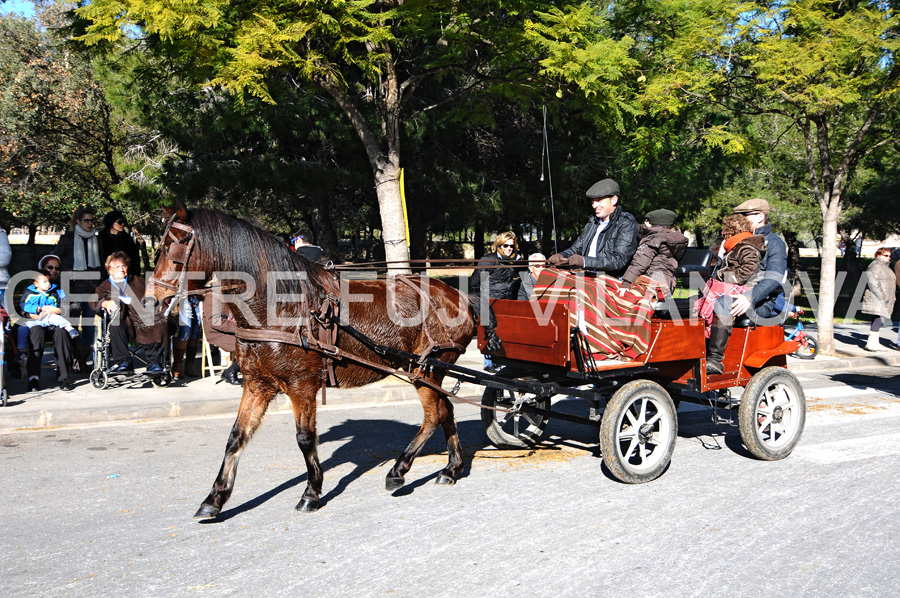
(99, 379)
(808, 349)
(772, 414)
(513, 429)
(638, 431)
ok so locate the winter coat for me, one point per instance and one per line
(526, 285)
(741, 263)
(503, 283)
(615, 247)
(773, 273)
(82, 282)
(878, 300)
(657, 255)
(142, 332)
(109, 244)
(34, 299)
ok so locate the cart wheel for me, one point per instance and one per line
(162, 381)
(809, 351)
(4, 397)
(638, 431)
(772, 414)
(99, 379)
(512, 430)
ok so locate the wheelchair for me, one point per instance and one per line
(102, 374)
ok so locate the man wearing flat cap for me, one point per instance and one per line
(760, 300)
(610, 237)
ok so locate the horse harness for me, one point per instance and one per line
(324, 341)
(327, 318)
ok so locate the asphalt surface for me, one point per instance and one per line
(136, 398)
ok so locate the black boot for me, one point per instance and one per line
(230, 374)
(715, 349)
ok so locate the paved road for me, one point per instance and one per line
(106, 510)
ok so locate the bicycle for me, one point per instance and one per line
(809, 348)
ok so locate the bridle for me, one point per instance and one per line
(179, 252)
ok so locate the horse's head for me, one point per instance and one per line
(176, 273)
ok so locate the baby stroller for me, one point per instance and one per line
(102, 372)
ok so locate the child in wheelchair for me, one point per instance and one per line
(126, 319)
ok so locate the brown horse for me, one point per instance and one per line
(412, 317)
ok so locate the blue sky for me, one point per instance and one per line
(22, 7)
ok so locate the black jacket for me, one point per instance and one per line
(502, 283)
(615, 247)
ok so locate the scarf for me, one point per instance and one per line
(733, 240)
(82, 238)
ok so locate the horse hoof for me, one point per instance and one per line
(207, 512)
(394, 483)
(444, 480)
(308, 505)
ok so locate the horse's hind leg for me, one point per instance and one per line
(436, 412)
(303, 403)
(254, 401)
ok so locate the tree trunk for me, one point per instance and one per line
(793, 250)
(326, 237)
(828, 272)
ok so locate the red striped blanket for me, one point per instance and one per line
(705, 305)
(614, 325)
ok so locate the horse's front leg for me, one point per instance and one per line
(303, 403)
(436, 412)
(254, 401)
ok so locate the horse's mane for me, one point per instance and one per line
(230, 244)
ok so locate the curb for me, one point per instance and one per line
(842, 363)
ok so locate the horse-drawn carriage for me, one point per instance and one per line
(635, 401)
(352, 332)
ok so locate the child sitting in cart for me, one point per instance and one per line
(658, 252)
(737, 264)
(42, 303)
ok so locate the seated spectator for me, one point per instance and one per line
(32, 338)
(42, 302)
(658, 251)
(536, 262)
(120, 296)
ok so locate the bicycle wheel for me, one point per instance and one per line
(808, 349)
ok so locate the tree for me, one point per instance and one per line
(828, 69)
(371, 58)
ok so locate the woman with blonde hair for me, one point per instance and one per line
(493, 279)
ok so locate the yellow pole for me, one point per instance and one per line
(403, 200)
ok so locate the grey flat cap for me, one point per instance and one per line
(752, 205)
(604, 188)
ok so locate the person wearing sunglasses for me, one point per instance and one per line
(31, 339)
(493, 279)
(115, 236)
(609, 239)
(80, 252)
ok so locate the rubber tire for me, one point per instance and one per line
(161, 381)
(99, 379)
(779, 386)
(808, 352)
(4, 397)
(500, 426)
(639, 394)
